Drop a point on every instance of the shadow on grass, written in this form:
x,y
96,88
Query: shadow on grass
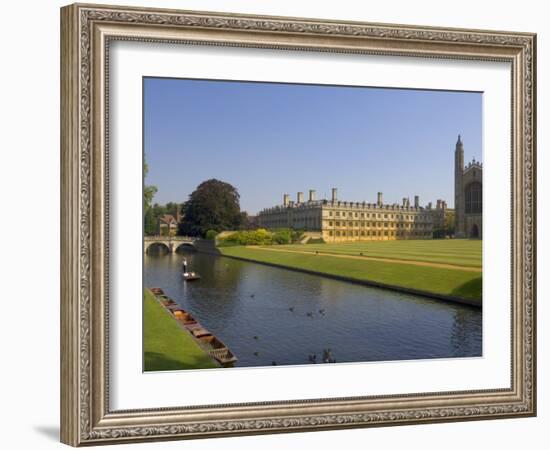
x,y
472,289
157,361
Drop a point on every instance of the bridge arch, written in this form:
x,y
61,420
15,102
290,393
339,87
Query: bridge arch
x,y
178,245
148,245
171,243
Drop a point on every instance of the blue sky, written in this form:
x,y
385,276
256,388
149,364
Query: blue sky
x,y
268,139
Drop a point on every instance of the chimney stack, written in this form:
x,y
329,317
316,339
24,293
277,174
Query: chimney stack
x,y
286,200
438,204
300,197
311,195
404,201
416,201
379,201
430,205
334,194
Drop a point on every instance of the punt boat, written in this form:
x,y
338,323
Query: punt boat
x,y
210,343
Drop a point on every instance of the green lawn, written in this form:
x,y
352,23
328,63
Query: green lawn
x,y
165,345
460,252
453,282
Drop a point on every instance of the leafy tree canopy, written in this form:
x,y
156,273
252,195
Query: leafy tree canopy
x,y
149,191
214,205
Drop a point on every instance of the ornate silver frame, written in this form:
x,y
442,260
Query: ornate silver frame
x,y
86,31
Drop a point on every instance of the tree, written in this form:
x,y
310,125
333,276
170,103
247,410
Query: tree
x,y
148,191
172,208
149,220
449,223
150,225
213,205
246,222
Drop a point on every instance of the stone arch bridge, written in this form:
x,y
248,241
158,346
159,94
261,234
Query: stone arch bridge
x,y
172,243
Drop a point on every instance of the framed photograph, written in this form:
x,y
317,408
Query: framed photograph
x,y
276,224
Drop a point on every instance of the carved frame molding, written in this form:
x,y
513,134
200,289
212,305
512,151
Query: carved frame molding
x,y
86,32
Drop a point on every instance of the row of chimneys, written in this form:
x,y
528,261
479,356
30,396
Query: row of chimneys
x,y
312,196
379,201
441,204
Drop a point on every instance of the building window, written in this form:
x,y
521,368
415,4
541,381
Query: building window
x,y
330,223
473,198
330,233
330,213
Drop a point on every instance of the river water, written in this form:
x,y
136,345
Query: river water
x,y
267,315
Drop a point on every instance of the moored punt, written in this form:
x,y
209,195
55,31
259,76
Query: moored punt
x,y
224,356
184,317
200,332
210,343
193,326
218,349
172,306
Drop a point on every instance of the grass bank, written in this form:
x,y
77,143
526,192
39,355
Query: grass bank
x,y
165,345
460,252
438,281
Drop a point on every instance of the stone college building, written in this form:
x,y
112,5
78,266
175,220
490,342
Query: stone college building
x,y
337,221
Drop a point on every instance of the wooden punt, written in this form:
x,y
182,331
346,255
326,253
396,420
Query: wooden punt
x,y
173,307
192,326
190,276
218,349
210,343
201,332
186,318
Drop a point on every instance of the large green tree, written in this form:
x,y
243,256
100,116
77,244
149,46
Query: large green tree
x,y
214,205
149,191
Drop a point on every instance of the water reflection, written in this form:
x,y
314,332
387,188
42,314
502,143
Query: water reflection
x,y
267,315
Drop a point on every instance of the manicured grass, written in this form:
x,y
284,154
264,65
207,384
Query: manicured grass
x,y
458,283
460,252
165,345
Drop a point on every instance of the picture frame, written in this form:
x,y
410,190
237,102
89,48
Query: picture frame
x,y
87,31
